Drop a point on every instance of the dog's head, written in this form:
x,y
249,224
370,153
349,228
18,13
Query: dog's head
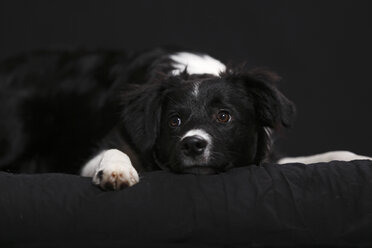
x,y
206,123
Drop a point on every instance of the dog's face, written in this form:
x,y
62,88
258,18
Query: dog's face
x,y
207,125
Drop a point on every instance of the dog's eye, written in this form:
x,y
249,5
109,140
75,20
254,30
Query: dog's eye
x,y
175,121
223,117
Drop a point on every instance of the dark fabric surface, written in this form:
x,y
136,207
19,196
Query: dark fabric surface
x,y
326,204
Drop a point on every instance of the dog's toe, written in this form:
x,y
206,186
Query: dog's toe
x,y
115,179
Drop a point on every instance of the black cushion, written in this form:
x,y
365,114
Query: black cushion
x,y
327,204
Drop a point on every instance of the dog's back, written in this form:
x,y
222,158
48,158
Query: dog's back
x,y
55,107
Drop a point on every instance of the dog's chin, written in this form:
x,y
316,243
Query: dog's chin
x,y
199,170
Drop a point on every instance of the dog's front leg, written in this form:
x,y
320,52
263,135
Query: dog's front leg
x,y
111,169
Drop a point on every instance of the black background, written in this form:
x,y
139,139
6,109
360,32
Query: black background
x,y
322,49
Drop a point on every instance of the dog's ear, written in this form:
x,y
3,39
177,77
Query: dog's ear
x,y
141,113
273,109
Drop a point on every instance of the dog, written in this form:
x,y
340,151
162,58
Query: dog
x,y
110,115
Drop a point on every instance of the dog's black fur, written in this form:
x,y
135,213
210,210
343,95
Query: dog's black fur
x,y
59,108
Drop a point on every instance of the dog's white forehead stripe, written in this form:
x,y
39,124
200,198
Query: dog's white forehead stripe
x,y
195,89
196,64
198,132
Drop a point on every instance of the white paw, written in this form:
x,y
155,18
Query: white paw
x,y
115,171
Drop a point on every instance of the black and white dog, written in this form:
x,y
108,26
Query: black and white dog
x,y
110,115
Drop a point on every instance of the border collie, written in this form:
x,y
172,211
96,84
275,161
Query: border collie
x,y
109,115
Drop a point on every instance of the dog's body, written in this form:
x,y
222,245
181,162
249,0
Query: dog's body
x,y
117,114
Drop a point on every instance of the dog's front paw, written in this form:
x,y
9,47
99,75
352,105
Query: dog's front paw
x,y
115,171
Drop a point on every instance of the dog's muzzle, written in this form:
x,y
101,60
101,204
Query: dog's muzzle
x,y
195,153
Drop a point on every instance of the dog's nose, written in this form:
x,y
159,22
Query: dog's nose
x,y
193,145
